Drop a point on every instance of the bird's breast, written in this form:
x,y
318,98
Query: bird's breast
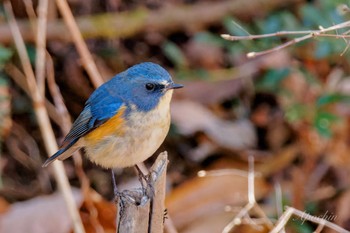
x,y
142,134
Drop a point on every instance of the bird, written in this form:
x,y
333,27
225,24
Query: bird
x,y
125,120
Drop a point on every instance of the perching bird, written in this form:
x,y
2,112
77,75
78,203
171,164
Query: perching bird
x,y
125,120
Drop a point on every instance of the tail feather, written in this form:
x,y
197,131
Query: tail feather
x,y
63,153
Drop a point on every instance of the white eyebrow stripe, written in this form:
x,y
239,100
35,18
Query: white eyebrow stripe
x,y
164,82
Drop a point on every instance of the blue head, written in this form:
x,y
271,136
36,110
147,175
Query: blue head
x,y
143,85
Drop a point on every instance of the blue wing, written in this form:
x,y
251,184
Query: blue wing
x,y
98,109
91,117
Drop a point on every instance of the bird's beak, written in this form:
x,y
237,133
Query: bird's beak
x,y
173,86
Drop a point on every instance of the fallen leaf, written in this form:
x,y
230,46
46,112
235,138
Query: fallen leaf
x,y
191,117
39,215
203,197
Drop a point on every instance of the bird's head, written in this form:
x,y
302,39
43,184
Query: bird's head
x,y
147,85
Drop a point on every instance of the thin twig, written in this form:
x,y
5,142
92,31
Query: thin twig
x,y
310,34
43,120
41,45
278,194
82,48
19,78
244,212
251,183
224,172
78,162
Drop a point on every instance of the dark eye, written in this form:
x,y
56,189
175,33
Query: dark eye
x,y
150,86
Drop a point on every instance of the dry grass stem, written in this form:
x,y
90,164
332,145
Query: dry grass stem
x,y
225,172
65,126
41,45
19,78
43,119
243,214
80,44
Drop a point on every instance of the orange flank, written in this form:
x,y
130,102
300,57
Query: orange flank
x,y
113,126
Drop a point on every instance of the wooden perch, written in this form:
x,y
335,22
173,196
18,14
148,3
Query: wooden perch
x,y
140,211
167,19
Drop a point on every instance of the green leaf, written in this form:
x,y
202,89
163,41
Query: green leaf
x,y
5,55
323,121
332,98
296,112
272,24
289,21
313,17
323,49
174,54
272,79
31,50
235,27
210,38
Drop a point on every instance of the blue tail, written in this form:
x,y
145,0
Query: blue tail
x,y
59,153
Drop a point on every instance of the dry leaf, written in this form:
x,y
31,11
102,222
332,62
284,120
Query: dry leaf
x,y
203,197
191,117
39,215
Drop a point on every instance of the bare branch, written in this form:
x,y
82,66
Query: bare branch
x,y
309,34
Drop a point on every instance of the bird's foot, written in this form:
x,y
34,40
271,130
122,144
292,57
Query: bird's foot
x,y
146,185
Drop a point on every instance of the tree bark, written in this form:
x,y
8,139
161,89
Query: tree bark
x,y
143,212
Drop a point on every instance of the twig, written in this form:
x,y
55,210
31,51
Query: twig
x,y
282,221
279,208
41,45
238,219
65,127
43,120
61,108
310,34
225,172
85,55
20,80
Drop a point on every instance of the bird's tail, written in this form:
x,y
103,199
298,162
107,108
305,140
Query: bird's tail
x,y
63,153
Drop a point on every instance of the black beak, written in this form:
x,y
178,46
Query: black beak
x,y
174,86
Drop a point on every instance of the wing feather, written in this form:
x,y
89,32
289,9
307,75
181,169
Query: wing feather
x,y
98,109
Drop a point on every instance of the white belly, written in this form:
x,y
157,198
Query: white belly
x,y
144,133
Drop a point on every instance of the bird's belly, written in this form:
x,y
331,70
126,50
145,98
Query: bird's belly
x,y
141,136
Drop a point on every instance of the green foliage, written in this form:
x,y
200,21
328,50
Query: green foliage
x,y
5,55
331,98
235,26
300,225
296,112
272,79
211,38
174,54
323,121
31,51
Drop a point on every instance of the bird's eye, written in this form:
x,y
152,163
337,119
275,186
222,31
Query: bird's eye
x,y
150,86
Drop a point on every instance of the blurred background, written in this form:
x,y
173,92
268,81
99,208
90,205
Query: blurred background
x,y
288,109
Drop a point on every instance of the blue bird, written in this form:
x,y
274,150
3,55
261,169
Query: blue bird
x,y
125,120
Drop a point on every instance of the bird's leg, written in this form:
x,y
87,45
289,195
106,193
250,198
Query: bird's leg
x,y
148,188
115,189
142,177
